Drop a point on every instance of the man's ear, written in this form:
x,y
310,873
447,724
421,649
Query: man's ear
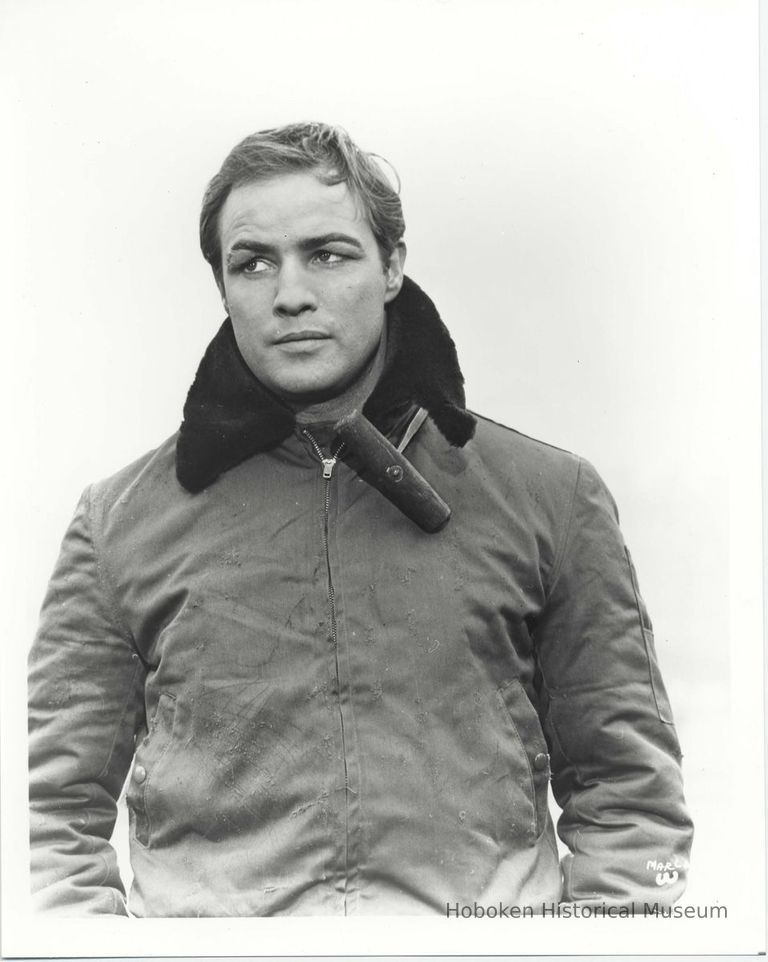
x,y
393,272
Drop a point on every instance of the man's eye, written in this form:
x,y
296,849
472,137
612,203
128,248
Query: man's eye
x,y
254,266
328,257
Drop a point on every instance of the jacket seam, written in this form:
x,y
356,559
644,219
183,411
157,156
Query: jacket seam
x,y
636,592
569,690
560,553
120,720
645,630
556,570
158,761
103,576
110,607
558,742
532,781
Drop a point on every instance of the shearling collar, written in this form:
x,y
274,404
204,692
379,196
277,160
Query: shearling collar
x,y
229,416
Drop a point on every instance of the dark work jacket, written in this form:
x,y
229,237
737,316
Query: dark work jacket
x,y
322,708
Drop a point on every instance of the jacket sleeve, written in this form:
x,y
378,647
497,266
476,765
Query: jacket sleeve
x,y
615,755
85,696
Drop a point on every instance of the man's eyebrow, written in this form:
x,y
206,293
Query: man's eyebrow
x,y
310,243
249,245
307,243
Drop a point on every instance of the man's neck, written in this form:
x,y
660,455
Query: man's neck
x,y
354,396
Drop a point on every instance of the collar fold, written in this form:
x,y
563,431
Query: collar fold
x,y
229,416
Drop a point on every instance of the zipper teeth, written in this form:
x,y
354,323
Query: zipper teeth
x,y
334,629
319,451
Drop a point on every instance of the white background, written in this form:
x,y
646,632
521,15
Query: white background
x,y
580,186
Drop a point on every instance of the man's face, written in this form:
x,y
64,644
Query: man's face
x,y
304,284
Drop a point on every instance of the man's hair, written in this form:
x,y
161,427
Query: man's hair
x,y
329,153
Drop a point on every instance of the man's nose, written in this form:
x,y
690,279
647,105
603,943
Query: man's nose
x,y
294,292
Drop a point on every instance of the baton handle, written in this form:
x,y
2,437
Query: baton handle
x,y
379,463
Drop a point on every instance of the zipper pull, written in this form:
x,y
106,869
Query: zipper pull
x,y
328,465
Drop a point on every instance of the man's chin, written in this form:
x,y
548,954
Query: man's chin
x,y
300,394
303,382
309,381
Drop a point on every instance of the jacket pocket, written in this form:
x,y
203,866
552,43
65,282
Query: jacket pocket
x,y
148,765
533,745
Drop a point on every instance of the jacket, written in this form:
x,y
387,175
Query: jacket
x,y
322,708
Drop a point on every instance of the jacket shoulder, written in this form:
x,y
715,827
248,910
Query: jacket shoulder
x,y
155,469
526,455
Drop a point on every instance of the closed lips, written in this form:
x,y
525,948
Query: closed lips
x,y
302,336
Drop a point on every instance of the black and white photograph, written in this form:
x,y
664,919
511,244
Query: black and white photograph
x,y
384,478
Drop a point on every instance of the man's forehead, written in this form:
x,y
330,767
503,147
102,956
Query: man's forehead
x,y
289,205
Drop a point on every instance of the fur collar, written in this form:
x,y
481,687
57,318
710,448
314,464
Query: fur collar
x,y
229,416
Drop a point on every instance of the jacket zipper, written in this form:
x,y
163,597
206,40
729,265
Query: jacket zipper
x,y
328,466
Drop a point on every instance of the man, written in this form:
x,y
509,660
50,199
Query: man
x,y
339,633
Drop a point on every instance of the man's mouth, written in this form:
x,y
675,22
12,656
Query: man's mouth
x,y
302,336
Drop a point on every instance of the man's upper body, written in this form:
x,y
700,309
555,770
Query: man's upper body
x,y
340,658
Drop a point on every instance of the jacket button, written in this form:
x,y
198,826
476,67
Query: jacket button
x,y
395,472
541,762
139,773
